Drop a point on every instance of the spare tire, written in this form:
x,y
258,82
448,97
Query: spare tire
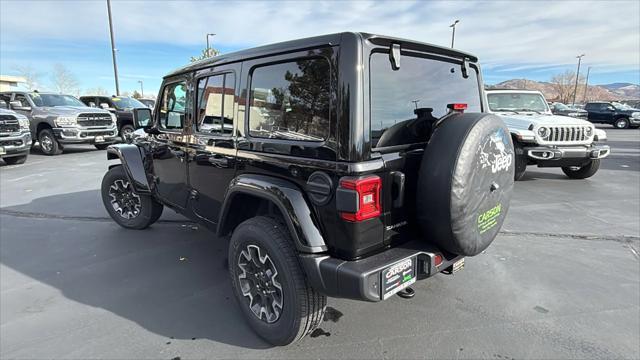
x,y
465,182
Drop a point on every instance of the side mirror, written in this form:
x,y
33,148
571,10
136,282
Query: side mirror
x,y
142,118
17,105
104,106
92,104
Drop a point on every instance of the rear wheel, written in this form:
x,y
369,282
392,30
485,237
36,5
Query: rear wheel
x,y
124,205
621,123
269,283
582,172
521,161
48,143
15,160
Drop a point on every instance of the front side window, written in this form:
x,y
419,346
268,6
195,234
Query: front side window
x,y
421,85
173,107
291,100
216,96
23,100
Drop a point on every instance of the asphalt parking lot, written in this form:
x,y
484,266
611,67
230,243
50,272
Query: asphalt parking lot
x,y
561,281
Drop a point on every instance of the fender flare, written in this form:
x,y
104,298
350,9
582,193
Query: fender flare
x,y
289,200
132,159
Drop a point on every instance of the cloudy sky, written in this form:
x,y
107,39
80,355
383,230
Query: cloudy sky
x,y
513,39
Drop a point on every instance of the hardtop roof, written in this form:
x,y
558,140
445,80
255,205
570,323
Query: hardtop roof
x,y
312,42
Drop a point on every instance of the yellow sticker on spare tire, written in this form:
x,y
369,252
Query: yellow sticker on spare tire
x,y
489,218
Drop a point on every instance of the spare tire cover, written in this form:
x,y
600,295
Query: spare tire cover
x,y
465,183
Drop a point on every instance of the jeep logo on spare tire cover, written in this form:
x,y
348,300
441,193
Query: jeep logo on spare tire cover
x,y
465,182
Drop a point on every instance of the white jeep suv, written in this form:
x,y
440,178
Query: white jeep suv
x,y
546,140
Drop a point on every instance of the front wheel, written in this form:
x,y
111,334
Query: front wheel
x,y
520,161
126,131
127,208
621,123
48,143
582,172
269,283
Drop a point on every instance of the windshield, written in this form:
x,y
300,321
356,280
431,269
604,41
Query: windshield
x,y
621,106
561,106
55,100
423,86
122,103
517,102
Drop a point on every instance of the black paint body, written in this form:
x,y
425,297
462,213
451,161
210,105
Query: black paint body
x,y
221,180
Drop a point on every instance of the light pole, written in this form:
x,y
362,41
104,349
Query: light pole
x,y
141,89
586,85
113,48
453,35
575,89
208,47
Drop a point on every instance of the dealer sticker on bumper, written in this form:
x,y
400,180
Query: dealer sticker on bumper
x,y
2,150
397,277
99,139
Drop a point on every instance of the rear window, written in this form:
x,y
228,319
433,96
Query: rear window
x,y
419,83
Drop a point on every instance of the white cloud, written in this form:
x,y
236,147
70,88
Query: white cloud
x,y
534,33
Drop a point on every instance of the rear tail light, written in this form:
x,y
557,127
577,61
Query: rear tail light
x,y
457,107
368,197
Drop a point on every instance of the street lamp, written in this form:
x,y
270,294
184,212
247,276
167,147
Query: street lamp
x,y
208,47
113,48
141,89
575,89
586,85
453,35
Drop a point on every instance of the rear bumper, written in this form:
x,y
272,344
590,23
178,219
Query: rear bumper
x,y
15,145
361,279
79,135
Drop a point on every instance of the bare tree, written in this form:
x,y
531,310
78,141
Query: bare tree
x,y
96,91
64,81
206,53
564,85
30,75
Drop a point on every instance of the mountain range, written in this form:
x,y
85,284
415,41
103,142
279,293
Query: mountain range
x,y
606,92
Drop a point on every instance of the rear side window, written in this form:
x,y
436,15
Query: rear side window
x,y
172,109
215,104
291,100
420,83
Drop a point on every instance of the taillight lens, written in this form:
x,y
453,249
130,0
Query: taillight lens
x,y
457,106
368,190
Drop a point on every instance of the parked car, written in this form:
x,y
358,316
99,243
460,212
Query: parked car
x,y
120,106
566,110
15,137
150,103
328,180
546,140
621,117
57,120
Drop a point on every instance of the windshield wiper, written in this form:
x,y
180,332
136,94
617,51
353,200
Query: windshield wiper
x,y
506,110
530,110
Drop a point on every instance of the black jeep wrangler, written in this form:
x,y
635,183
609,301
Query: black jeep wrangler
x,y
346,165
